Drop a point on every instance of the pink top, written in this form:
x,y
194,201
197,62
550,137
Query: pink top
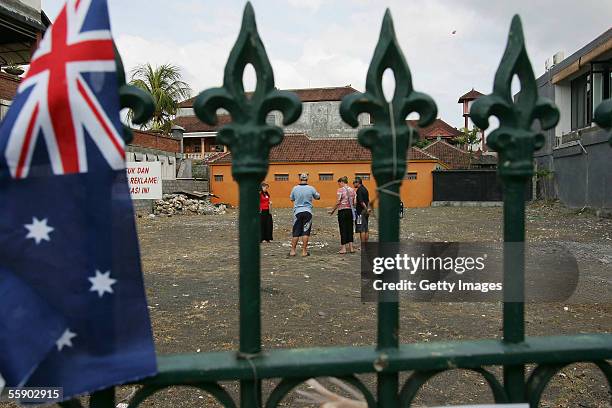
x,y
346,197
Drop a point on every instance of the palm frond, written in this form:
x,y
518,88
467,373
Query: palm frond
x,y
167,88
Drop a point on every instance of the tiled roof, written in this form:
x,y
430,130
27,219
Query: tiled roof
x,y
473,94
452,156
437,129
305,95
193,124
300,148
213,157
484,159
323,94
155,140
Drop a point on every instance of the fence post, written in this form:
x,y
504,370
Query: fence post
x,y
249,138
389,140
515,142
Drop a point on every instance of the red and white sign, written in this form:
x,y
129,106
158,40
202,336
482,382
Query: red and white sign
x,y
145,180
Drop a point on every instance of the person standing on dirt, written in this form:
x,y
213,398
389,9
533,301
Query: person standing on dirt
x,y
362,209
345,203
264,211
302,196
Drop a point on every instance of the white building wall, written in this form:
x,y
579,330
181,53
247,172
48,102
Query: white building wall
x,y
168,163
322,120
318,120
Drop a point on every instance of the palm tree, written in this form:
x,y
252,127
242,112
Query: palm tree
x,y
165,84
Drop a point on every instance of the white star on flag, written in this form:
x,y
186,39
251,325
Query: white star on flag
x,y
65,340
101,283
39,230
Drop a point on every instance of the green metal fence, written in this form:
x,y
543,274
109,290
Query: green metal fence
x,y
250,139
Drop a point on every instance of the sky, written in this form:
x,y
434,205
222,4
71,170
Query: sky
x,y
451,46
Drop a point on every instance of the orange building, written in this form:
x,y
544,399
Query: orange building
x,y
325,160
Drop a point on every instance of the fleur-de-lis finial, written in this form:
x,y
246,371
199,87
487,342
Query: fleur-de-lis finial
x,y
603,116
514,140
390,136
249,137
140,102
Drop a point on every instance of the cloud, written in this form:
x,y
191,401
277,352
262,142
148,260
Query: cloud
x,y
314,43
310,5
202,62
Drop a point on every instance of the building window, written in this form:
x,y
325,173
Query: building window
x,y
411,176
588,91
581,114
271,119
218,177
185,112
601,74
281,177
363,176
326,176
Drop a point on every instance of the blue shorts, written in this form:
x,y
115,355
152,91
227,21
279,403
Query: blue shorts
x,y
302,224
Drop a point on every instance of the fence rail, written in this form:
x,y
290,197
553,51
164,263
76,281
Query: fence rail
x,y
250,138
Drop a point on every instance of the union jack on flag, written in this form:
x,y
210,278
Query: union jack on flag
x,y
59,99
73,311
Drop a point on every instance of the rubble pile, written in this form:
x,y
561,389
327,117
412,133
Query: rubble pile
x,y
171,204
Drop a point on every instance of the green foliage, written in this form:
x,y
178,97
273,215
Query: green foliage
x,y
468,138
422,143
167,88
11,64
12,68
544,174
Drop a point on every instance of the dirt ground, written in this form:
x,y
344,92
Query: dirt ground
x,y
190,269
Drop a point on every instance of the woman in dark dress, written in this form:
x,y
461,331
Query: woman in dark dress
x,y
345,204
264,210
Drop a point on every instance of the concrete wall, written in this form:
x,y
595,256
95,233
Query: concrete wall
x,y
577,178
143,206
318,119
321,120
169,160
174,186
585,179
414,193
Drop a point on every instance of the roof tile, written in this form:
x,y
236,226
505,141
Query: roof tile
x,y
438,128
305,95
473,94
452,156
297,147
193,124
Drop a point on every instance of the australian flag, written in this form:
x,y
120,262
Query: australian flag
x,y
73,311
